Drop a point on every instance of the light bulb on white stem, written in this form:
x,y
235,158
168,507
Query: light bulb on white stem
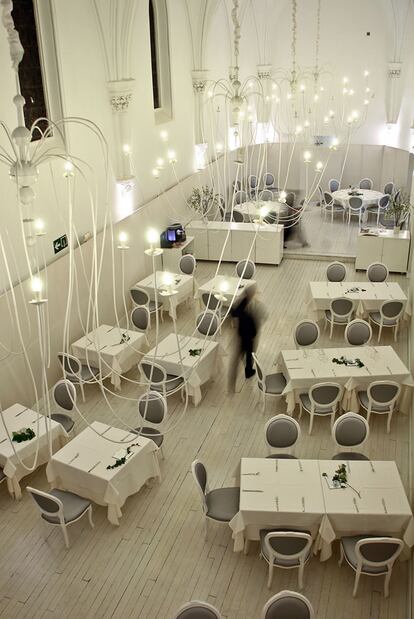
x,y
168,281
164,136
153,237
156,173
123,238
127,149
160,163
37,287
282,196
223,287
307,156
39,226
263,211
172,157
68,169
319,167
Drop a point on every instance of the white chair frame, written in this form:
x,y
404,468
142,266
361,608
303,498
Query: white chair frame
x,y
332,210
247,263
361,561
303,556
355,212
197,604
382,325
150,424
332,322
59,514
144,331
373,264
340,419
371,182
262,382
354,322
70,385
264,193
284,594
391,403
335,405
78,375
276,418
160,307
334,263
163,383
300,323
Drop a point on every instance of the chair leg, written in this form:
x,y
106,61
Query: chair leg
x,y
331,330
270,578
65,535
357,576
310,424
379,333
82,391
341,558
389,417
300,410
90,516
205,528
387,584
263,401
395,332
300,575
246,546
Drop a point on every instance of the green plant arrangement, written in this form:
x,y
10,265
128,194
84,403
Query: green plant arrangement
x,y
348,362
23,435
399,207
194,352
121,461
203,199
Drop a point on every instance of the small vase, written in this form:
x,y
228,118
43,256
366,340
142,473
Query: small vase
x,y
397,229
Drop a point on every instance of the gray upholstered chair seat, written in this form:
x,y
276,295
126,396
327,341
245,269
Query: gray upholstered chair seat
x,y
376,317
87,373
73,506
152,433
173,383
282,456
348,544
65,420
152,307
334,207
349,455
363,398
197,612
284,546
337,319
275,383
306,403
223,503
288,607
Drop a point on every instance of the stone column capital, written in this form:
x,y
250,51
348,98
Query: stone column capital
x,y
120,94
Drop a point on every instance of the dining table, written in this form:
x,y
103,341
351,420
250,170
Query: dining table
x,y
85,466
369,197
301,494
251,210
113,350
303,368
229,289
183,289
19,459
197,360
368,296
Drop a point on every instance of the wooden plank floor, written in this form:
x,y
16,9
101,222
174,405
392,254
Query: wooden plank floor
x,y
157,558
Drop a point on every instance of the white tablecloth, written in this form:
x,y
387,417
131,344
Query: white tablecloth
x,y
195,370
368,196
368,296
294,494
104,486
18,417
184,284
383,508
101,348
304,368
250,210
236,287
289,497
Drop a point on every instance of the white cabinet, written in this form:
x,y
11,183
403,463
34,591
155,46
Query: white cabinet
x,y
264,245
387,247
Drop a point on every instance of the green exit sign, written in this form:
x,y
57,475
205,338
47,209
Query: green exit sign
x,y
60,243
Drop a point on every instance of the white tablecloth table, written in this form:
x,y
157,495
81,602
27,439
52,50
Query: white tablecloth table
x,y
368,296
236,288
184,284
290,495
304,368
18,417
383,508
196,370
250,210
369,197
69,468
102,348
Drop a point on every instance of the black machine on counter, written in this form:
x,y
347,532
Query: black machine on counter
x,y
172,235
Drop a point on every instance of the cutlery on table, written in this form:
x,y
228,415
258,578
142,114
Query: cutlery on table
x,y
303,503
354,489
126,436
74,458
356,506
21,412
300,466
5,439
384,506
372,466
247,490
277,465
348,467
277,503
257,473
94,466
102,347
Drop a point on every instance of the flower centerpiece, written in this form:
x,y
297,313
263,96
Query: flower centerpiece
x,y
203,200
25,434
398,209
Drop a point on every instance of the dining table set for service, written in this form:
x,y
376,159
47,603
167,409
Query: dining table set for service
x,y
302,495
182,285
